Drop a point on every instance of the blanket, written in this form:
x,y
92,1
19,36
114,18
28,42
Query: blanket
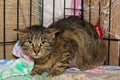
x,y
20,69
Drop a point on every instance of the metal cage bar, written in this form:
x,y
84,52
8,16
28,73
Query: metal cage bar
x,y
17,17
82,9
42,11
99,14
53,11
4,28
74,7
64,8
30,12
90,11
109,30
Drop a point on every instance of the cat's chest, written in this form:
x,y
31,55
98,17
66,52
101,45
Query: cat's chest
x,y
41,61
47,64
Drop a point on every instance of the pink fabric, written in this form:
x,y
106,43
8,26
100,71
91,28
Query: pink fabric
x,y
28,58
96,70
77,6
18,52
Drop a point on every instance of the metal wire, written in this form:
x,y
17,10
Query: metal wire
x,y
109,30
30,12
4,29
42,12
53,11
82,9
90,11
74,7
17,18
64,8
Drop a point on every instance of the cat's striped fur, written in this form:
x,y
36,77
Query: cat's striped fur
x,y
70,42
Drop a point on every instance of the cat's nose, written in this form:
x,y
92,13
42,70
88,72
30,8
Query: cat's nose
x,y
36,49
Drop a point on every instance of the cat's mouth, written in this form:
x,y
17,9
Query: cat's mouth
x,y
39,55
36,55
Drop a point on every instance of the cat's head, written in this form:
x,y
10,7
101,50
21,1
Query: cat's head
x,y
36,41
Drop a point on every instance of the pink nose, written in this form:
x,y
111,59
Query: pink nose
x,y
36,49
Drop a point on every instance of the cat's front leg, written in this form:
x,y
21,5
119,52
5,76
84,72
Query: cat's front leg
x,y
57,69
61,64
36,70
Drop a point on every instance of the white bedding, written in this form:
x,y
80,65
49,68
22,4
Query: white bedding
x,y
100,73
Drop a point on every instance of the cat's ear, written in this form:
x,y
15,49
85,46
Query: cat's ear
x,y
20,31
52,32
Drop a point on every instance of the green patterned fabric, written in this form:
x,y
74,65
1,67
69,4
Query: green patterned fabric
x,y
20,70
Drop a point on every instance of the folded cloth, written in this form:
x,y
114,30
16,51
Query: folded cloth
x,y
5,63
17,51
20,67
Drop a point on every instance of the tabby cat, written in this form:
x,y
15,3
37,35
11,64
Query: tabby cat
x,y
69,42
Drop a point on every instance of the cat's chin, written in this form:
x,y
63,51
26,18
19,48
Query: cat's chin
x,y
39,56
35,57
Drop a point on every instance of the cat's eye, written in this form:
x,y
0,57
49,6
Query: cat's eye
x,y
30,41
42,43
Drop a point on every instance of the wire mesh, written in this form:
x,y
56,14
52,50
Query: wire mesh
x,y
21,13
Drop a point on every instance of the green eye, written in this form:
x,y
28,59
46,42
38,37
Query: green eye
x,y
30,42
42,43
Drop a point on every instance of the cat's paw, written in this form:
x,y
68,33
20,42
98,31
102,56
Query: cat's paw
x,y
35,72
54,73
32,73
51,75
